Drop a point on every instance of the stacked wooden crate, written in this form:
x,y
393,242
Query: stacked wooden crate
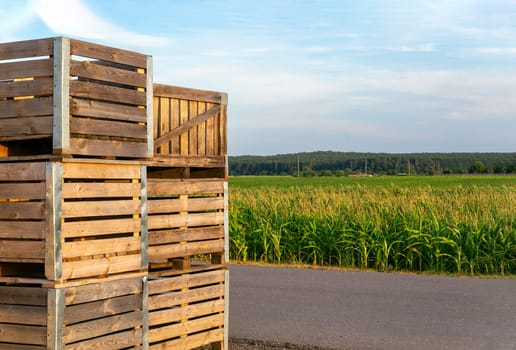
x,y
113,203
75,130
187,211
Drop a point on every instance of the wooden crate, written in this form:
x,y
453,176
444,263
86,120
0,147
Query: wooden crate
x,y
72,219
65,96
189,122
186,221
102,315
189,310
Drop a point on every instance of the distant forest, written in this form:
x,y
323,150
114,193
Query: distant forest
x,y
348,163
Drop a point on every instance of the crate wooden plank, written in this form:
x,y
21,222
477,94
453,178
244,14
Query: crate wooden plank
x,y
101,308
162,252
22,210
26,108
164,122
100,171
22,191
100,246
121,340
22,229
90,108
210,132
100,208
20,128
108,148
24,314
23,296
158,317
85,126
184,328
164,161
24,249
99,190
222,130
39,87
157,206
22,171
90,70
184,297
95,328
189,234
21,347
23,334
26,69
101,266
110,54
162,285
177,92
201,129
192,131
100,227
27,48
163,187
183,220
192,341
81,89
105,290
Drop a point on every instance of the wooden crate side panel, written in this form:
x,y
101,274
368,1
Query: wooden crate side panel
x,y
31,107
173,187
27,48
108,148
26,69
184,328
105,53
121,340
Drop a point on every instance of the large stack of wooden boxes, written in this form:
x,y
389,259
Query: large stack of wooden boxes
x,y
113,203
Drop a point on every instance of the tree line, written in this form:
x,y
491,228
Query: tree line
x,y
329,163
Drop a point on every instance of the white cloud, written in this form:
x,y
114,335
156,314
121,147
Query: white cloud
x,y
74,18
511,51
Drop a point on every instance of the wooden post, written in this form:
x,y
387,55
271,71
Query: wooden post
x,y
53,242
55,319
61,123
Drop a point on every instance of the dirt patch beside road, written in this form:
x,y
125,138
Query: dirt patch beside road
x,y
246,344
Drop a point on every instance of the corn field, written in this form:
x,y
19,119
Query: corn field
x,y
465,229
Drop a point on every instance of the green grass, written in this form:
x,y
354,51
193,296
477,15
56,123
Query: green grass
x,y
450,224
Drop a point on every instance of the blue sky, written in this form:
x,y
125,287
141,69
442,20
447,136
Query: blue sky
x,y
368,76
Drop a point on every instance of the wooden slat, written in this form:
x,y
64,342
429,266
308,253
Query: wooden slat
x,y
22,191
22,210
100,227
210,133
12,249
105,290
201,129
23,295
163,252
100,208
185,220
189,94
101,171
39,87
185,127
183,235
183,139
27,48
163,285
101,308
192,131
101,326
185,312
157,187
185,297
207,161
85,49
192,341
26,108
174,123
21,334
102,266
26,69
22,171
22,229
85,126
111,148
105,110
157,206
100,246
87,69
98,190
223,137
121,340
14,128
4,346
23,314
184,328
164,123
106,93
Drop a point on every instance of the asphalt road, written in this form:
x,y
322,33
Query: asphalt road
x,y
369,310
